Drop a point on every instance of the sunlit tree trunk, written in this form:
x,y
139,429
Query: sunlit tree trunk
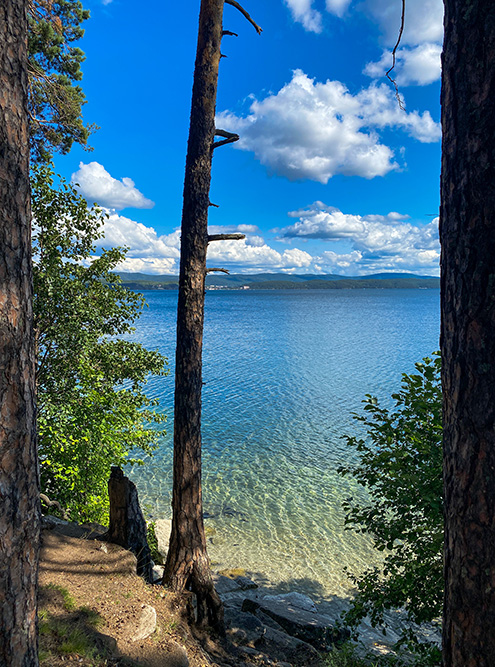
x,y
467,230
188,565
19,492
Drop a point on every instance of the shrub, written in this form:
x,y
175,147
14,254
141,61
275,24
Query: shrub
x,y
400,467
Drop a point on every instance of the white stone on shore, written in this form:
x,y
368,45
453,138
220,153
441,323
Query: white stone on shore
x,y
163,528
146,624
158,571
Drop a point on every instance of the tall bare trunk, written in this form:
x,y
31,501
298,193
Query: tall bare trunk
x,y
188,565
467,233
19,492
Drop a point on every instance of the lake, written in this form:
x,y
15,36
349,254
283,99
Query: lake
x,y
283,371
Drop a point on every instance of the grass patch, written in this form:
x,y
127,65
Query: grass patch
x,y
65,630
68,600
77,642
91,617
67,637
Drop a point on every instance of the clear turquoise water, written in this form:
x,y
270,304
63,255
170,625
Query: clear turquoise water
x,y
284,370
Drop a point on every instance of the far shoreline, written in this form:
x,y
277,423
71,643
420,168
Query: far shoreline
x,y
310,285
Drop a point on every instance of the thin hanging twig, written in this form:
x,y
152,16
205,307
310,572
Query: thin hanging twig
x,y
394,53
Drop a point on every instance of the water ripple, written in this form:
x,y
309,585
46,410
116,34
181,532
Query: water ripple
x,y
283,372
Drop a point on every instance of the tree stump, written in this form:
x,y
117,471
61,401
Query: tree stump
x,y
127,525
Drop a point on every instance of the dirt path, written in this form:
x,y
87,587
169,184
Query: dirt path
x,y
91,605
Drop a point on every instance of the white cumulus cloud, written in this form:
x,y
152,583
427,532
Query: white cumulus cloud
x,y
420,65
337,7
232,229
418,58
421,41
302,12
311,19
97,185
152,253
320,221
142,241
243,256
312,130
360,244
377,242
147,252
423,20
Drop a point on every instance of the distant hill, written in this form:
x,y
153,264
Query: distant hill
x,y
394,276
351,283
143,281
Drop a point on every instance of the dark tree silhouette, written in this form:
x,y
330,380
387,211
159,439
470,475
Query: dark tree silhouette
x,y
188,565
467,232
19,492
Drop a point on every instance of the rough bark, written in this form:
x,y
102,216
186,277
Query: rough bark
x,y
19,491
188,565
127,524
467,230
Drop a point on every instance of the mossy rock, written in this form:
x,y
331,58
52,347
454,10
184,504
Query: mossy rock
x,y
233,573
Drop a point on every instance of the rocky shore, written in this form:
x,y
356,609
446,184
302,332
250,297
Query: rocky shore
x,y
283,630
289,623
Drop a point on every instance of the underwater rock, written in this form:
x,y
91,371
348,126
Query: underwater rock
x,y
295,599
225,584
311,627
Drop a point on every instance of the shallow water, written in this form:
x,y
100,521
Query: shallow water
x,y
284,370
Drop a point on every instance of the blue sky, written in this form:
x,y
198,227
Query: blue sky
x,y
329,176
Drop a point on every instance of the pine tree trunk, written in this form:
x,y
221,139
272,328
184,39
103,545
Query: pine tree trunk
x,y
467,232
19,492
188,565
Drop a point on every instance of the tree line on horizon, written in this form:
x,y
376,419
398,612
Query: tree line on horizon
x,y
315,284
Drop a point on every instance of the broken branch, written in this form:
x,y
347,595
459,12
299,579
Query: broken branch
x,y
229,33
216,144
212,204
235,4
225,134
54,503
230,137
225,237
220,270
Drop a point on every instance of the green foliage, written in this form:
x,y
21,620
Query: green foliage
x,y
400,466
93,412
156,556
346,656
54,67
